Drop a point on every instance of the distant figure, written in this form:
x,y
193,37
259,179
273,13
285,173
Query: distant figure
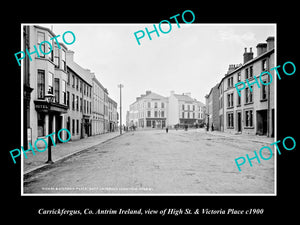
x,y
186,127
167,129
212,127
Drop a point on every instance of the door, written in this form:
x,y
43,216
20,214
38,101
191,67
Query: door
x,y
239,121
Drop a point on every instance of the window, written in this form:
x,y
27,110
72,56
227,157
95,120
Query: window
x,y
264,65
56,89
239,76
230,100
149,105
193,107
77,126
50,83
84,107
56,57
230,82
77,81
40,39
87,107
263,95
155,113
247,73
230,120
77,102
80,104
248,95
50,50
73,126
64,92
162,105
63,58
238,100
182,106
68,82
188,107
250,72
182,114
148,123
73,81
68,98
249,118
155,104
193,115
73,102
41,84
80,87
148,113
41,124
162,113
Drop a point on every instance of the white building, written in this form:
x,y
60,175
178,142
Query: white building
x,y
148,111
184,110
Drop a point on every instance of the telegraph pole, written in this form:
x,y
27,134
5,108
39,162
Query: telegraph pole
x,y
120,86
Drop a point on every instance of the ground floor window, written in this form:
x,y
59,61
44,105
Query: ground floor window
x,y
230,120
41,124
148,123
249,118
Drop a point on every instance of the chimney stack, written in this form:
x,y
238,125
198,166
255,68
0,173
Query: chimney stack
x,y
270,43
70,55
248,55
188,94
261,48
148,92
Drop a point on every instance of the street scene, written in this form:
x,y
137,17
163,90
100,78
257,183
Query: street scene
x,y
156,162
105,115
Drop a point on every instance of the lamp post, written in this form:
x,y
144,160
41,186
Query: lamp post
x,y
120,86
49,99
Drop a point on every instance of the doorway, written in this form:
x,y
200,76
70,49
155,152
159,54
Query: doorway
x,y
262,122
239,122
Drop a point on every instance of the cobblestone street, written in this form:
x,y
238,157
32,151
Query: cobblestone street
x,y
156,162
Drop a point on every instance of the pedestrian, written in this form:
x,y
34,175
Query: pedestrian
x,y
212,127
167,129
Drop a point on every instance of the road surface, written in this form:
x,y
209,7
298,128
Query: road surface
x,y
156,162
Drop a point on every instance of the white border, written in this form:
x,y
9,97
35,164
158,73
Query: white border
x,y
144,194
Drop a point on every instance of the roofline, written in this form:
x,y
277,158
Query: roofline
x,y
45,28
246,64
79,76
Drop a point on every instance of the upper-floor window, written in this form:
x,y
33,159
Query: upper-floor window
x,y
264,65
41,84
56,89
50,83
248,95
230,100
40,39
56,56
230,82
63,58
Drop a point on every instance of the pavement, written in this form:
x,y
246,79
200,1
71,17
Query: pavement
x,y
62,151
241,136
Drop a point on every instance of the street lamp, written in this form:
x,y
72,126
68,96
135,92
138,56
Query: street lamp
x,y
120,86
49,99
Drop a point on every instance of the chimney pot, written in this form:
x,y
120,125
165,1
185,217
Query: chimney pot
x,y
248,55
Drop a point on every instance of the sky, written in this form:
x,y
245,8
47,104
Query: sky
x,y
192,58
